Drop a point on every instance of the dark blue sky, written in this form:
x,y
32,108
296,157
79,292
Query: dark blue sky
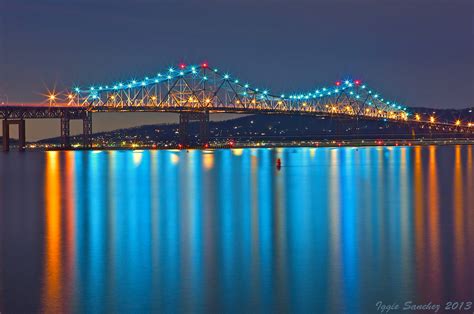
x,y
417,52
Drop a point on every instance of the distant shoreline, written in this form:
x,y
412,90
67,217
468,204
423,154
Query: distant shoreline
x,y
303,144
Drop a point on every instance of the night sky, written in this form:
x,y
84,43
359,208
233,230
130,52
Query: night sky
x,y
417,52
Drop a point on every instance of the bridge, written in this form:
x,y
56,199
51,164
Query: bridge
x,y
195,91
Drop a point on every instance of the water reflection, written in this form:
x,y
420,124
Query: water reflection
x,y
53,237
334,230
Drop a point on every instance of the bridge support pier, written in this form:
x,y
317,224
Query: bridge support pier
x,y
66,118
185,118
6,134
65,132
87,130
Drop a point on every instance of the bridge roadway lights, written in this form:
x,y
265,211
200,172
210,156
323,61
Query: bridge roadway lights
x,y
185,118
21,134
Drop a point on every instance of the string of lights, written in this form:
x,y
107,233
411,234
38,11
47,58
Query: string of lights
x,y
201,87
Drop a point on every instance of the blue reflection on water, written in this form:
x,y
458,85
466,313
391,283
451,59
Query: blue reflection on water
x,y
334,230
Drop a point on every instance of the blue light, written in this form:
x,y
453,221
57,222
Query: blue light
x,y
236,81
204,78
376,96
92,88
156,80
134,82
143,83
215,70
181,73
169,77
77,89
129,85
346,82
265,92
171,70
282,95
246,85
226,76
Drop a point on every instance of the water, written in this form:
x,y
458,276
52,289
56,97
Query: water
x,y
334,230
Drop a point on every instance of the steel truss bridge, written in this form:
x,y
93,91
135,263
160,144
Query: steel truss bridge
x,y
195,91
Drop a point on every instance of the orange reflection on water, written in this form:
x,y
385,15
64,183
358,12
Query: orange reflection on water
x,y
52,260
418,195
458,219
208,160
435,271
70,211
470,200
59,233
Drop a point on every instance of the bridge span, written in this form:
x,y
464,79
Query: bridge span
x,y
195,91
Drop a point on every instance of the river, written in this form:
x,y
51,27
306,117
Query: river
x,y
333,230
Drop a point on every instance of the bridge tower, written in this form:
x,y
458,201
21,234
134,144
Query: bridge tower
x,y
87,130
202,118
66,118
65,130
21,133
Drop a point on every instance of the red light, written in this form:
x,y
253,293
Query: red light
x,y
231,143
338,83
206,145
180,146
182,66
357,82
204,65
